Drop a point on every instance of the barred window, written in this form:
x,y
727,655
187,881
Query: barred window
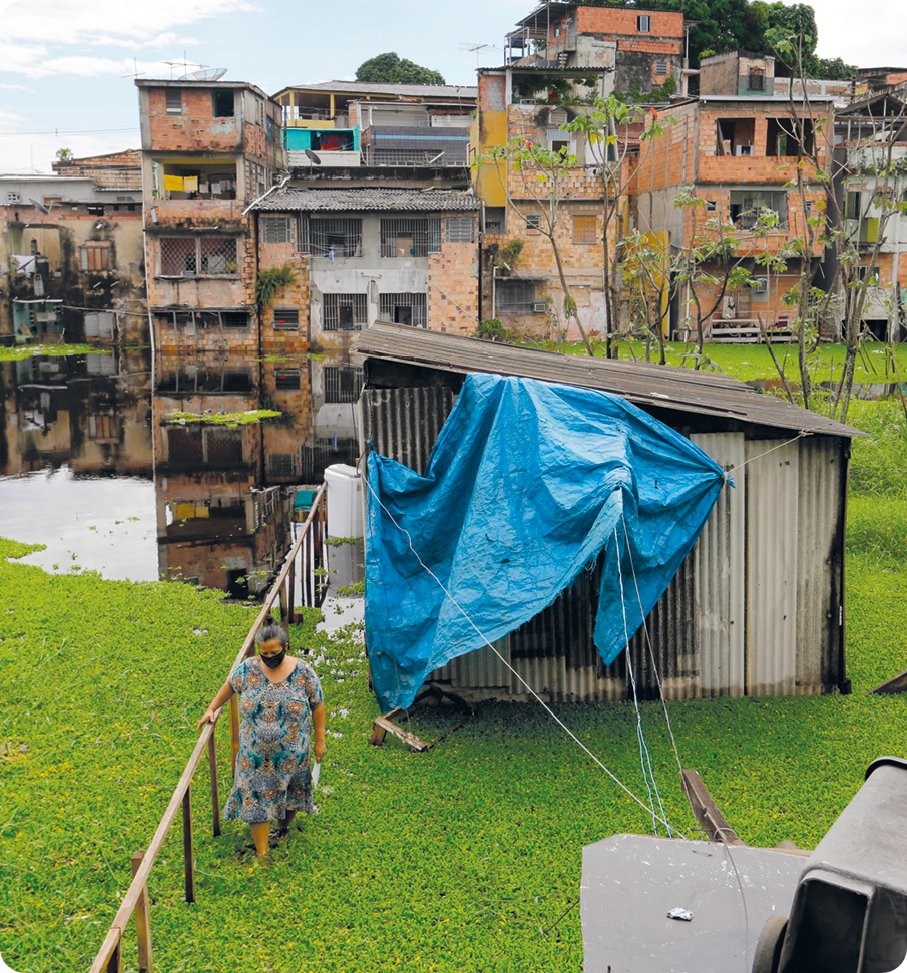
x,y
344,237
533,222
185,256
515,296
94,255
282,466
584,229
460,229
234,319
345,312
410,238
287,378
342,383
174,99
404,309
275,229
286,319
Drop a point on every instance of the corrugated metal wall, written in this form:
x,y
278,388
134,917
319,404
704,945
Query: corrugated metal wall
x,y
753,610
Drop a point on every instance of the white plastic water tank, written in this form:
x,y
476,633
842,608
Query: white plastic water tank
x,y
345,518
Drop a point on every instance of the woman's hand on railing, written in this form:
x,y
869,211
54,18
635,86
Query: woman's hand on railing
x,y
211,715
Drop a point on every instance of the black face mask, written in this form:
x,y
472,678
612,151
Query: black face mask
x,y
273,661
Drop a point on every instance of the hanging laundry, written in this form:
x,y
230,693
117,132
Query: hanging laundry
x,y
173,184
190,184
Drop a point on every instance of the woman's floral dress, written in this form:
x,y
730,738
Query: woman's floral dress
x,y
274,764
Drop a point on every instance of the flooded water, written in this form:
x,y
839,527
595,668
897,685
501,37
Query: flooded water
x,y
91,466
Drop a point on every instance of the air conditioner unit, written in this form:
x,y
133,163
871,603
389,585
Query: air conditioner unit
x,y
760,285
527,101
539,307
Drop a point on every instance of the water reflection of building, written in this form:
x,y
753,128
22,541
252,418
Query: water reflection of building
x,y
89,412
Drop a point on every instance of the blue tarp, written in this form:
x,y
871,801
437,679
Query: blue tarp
x,y
527,483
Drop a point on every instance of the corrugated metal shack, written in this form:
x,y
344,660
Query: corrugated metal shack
x,y
758,606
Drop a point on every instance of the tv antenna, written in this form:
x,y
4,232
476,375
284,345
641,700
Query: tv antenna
x,y
475,48
184,64
135,71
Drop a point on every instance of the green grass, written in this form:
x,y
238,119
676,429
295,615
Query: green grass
x,y
21,352
467,857
749,362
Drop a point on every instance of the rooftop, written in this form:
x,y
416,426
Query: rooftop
x,y
651,386
359,200
403,90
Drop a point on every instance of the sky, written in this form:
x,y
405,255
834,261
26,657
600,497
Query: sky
x,y
65,65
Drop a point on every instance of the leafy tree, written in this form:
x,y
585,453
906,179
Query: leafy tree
x,y
389,69
64,155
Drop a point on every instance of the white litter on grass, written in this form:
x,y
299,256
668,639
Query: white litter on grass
x,y
342,713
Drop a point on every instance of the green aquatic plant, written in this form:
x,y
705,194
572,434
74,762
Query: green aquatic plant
x,y
21,352
229,419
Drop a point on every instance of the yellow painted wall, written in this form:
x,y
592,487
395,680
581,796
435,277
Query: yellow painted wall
x,y
488,131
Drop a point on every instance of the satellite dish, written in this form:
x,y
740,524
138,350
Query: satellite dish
x,y
38,206
206,74
312,157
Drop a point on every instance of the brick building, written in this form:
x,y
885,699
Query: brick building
x,y
636,50
740,156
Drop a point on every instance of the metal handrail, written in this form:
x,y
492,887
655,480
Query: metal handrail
x,y
308,546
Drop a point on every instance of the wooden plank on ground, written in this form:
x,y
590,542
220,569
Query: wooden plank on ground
x,y
712,821
383,726
898,684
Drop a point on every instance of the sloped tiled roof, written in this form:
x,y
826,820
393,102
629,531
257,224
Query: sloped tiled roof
x,y
359,200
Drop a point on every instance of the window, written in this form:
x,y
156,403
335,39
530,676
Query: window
x,y
644,23
94,255
345,312
174,99
584,229
736,136
515,296
404,309
99,324
287,378
853,206
711,206
234,319
460,229
343,237
286,319
212,446
275,229
660,70
757,79
197,256
410,238
222,104
12,197
784,136
746,207
342,383
494,219
559,141
282,466
533,222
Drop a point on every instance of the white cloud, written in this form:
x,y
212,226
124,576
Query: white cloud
x,y
15,87
35,61
138,21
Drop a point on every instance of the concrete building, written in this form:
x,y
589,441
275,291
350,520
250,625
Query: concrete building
x,y
71,252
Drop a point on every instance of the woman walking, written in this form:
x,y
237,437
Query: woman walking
x,y
280,701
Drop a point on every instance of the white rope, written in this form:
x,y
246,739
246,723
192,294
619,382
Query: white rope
x,y
753,459
529,688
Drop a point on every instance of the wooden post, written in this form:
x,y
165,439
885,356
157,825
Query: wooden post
x,y
215,801
710,818
142,920
188,849
282,595
234,732
115,962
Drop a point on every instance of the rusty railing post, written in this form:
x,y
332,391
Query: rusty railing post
x,y
282,596
188,849
212,772
291,577
143,920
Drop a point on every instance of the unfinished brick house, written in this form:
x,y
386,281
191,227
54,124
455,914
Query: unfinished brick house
x,y
739,153
71,254
209,149
635,50
405,255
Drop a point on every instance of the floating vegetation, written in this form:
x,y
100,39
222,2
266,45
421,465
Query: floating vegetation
x,y
21,352
272,358
229,419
